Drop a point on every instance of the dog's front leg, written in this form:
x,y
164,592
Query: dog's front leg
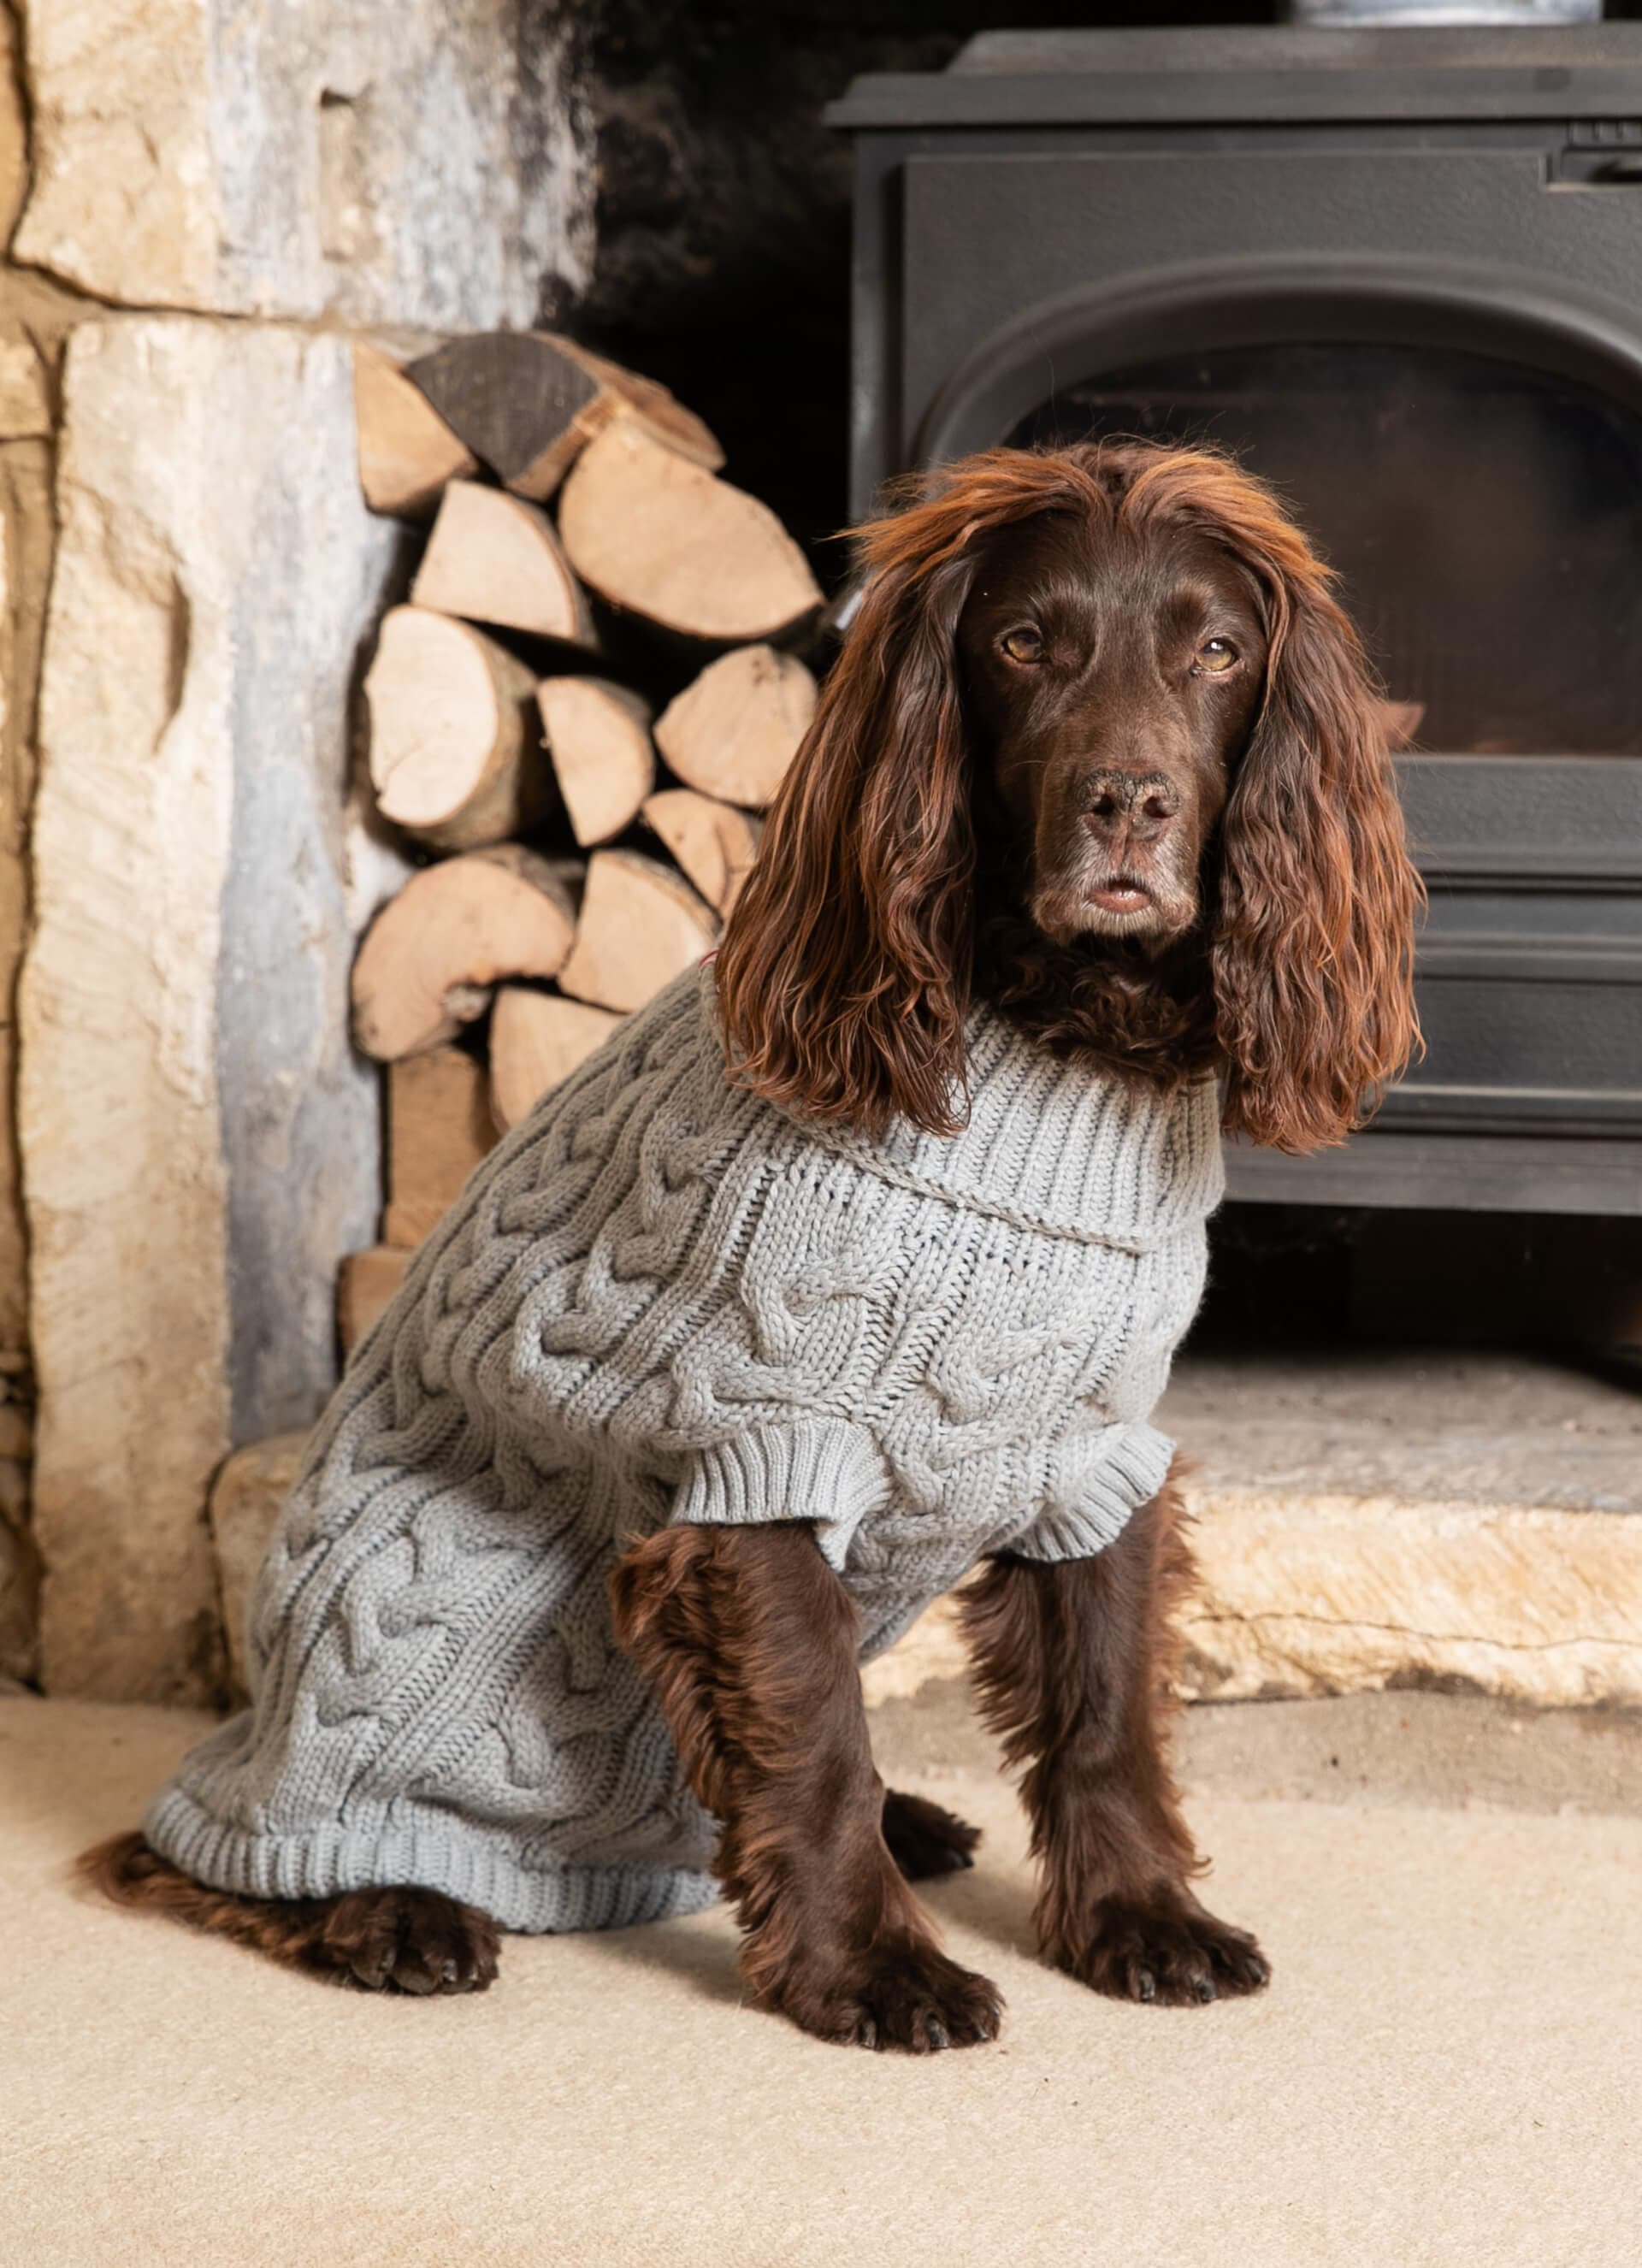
x,y
749,1639
1072,1663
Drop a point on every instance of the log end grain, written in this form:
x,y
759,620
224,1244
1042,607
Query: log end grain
x,y
641,926
536,1039
598,740
669,541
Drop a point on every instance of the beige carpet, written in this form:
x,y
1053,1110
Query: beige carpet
x,y
1447,2070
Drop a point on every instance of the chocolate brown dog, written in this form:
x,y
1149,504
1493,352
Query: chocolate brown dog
x,y
1099,759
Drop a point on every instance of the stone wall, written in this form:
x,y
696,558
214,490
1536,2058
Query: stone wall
x,y
200,200
412,163
34,319
200,1146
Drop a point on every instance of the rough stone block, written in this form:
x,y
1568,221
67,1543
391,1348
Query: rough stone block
x,y
1304,1594
20,1562
1308,1595
200,1146
24,403
25,543
250,1491
421,163
13,129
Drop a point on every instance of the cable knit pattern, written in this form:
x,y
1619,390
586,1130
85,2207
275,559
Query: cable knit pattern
x,y
660,1300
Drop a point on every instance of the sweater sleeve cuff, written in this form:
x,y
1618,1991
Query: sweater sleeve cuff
x,y
823,1469
1127,1466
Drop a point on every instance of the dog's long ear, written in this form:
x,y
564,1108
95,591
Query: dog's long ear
x,y
1313,951
843,977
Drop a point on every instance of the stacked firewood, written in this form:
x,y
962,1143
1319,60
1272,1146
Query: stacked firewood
x,y
575,722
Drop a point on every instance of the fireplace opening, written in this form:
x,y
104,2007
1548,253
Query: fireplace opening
x,y
1484,515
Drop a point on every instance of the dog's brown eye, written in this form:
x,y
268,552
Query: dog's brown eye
x,y
1022,645
1215,658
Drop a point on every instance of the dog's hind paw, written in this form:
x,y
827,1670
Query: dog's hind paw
x,y
924,1840
408,1940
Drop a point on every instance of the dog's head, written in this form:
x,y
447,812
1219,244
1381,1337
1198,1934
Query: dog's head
x,y
1108,688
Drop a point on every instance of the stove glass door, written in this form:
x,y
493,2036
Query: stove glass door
x,y
1485,518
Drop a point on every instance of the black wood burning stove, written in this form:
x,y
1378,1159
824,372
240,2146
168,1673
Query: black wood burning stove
x,y
1400,273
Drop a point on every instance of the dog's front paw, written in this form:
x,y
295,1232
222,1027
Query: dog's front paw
x,y
906,1996
409,1941
1166,1950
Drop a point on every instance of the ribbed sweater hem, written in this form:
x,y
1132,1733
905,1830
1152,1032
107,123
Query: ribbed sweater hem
x,y
1134,1465
823,1469
466,1866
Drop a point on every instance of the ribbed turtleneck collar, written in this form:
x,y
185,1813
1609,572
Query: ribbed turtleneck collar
x,y
1056,1147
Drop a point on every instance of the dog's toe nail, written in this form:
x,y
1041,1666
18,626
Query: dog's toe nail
x,y
1205,1988
939,2036
1147,1986
867,2033
450,1974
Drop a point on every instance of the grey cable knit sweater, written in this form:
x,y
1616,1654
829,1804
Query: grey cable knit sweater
x,y
660,1300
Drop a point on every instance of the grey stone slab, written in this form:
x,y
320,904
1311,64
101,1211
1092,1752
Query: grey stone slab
x,y
199,1145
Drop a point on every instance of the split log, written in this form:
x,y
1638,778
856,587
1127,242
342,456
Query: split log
x,y
654,534
407,452
438,1129
536,1039
715,844
641,924
431,955
365,1284
493,558
733,732
454,757
527,404
598,737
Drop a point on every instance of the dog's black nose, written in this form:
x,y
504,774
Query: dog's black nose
x,y
1132,807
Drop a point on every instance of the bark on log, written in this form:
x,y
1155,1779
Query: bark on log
x,y
641,924
494,558
438,1129
407,452
713,842
453,756
527,404
654,534
536,1039
366,1283
433,953
733,732
598,738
